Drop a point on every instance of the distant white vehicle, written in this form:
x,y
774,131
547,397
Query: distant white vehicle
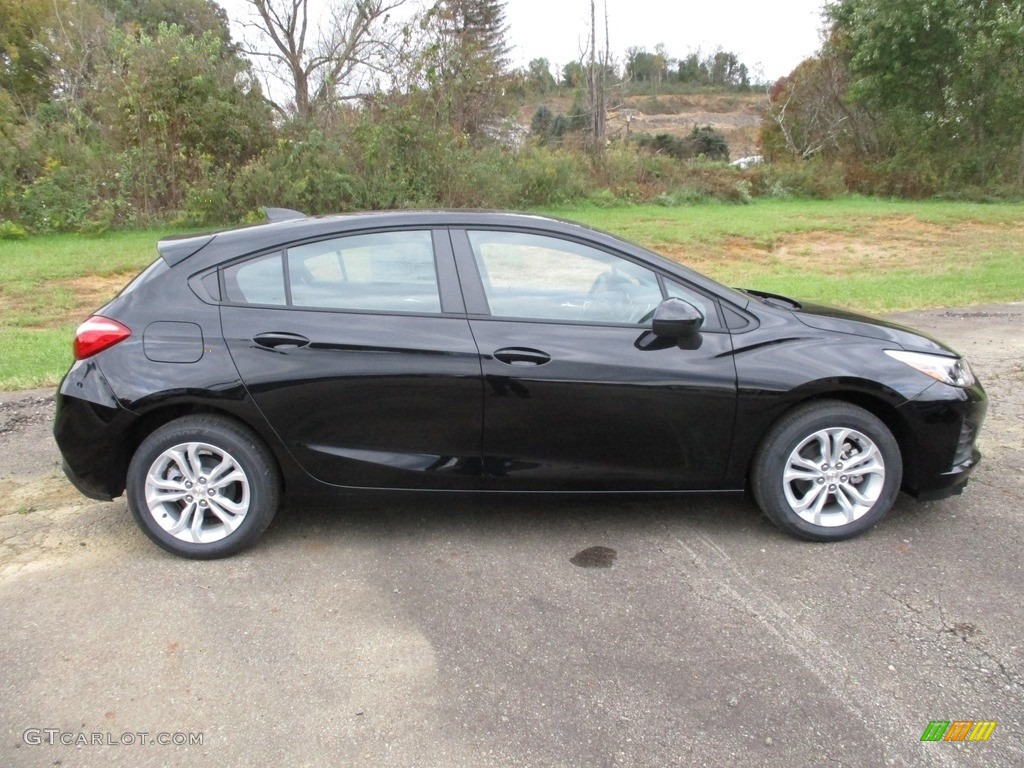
x,y
745,162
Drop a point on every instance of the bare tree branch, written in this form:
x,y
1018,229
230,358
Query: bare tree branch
x,y
320,73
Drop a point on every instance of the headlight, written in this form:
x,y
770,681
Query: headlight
x,y
949,370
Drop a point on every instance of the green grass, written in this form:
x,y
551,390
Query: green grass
x,y
868,254
47,286
764,221
34,358
865,254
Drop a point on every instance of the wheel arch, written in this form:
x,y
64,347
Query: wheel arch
x,y
884,410
153,419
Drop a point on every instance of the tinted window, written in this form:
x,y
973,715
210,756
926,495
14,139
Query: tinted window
x,y
257,281
387,271
545,278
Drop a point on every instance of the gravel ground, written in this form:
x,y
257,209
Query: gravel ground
x,y
26,444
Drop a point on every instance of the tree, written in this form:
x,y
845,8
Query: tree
x,y
194,16
176,107
725,69
640,65
539,76
322,66
944,77
48,51
467,62
807,113
689,70
573,74
702,141
79,39
25,58
598,70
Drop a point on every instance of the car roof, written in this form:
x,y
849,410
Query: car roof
x,y
244,241
269,234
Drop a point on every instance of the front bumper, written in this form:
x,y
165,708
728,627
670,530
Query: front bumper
x,y
942,454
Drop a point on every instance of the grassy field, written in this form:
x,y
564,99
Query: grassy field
x,y
48,285
872,255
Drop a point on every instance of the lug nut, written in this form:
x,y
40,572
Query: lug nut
x,y
188,484
188,498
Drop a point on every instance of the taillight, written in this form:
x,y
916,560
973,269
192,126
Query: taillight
x,y
96,334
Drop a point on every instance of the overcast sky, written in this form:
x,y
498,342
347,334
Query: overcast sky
x,y
770,36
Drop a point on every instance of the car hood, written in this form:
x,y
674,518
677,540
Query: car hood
x,y
837,320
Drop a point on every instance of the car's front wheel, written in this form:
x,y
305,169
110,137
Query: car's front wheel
x,y
826,471
203,487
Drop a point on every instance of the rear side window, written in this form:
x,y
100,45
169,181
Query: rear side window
x,y
387,271
382,272
257,281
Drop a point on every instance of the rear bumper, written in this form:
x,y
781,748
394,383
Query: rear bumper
x,y
91,430
91,487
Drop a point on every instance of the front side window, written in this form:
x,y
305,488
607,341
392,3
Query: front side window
x,y
538,277
699,300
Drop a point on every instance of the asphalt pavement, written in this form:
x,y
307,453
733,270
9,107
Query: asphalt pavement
x,y
475,631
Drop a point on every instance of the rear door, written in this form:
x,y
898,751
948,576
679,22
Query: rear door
x,y
357,350
578,393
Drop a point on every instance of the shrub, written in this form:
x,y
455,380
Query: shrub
x,y
549,177
816,179
542,121
59,200
11,231
701,142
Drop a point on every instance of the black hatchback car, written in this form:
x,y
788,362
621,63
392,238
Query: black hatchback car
x,y
490,352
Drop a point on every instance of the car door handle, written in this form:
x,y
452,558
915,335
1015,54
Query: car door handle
x,y
522,356
281,340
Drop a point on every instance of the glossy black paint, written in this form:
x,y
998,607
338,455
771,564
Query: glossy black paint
x,y
676,319
372,400
462,400
640,419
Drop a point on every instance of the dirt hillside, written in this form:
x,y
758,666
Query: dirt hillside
x,y
736,116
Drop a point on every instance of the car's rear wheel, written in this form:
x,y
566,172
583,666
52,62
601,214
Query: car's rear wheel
x,y
203,487
827,471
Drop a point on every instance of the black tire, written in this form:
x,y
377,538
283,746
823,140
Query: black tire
x,y
223,466
840,505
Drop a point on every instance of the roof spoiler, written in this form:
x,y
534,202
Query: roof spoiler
x,y
176,249
283,214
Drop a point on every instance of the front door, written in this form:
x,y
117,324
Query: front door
x,y
578,393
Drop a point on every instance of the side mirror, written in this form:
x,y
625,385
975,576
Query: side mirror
x,y
676,319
